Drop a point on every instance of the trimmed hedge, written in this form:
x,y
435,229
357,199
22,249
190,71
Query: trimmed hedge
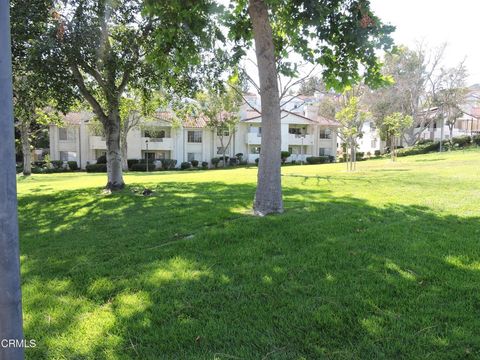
x,y
318,159
462,141
168,164
57,163
204,165
131,162
72,165
185,165
194,163
476,140
142,167
102,159
215,161
96,168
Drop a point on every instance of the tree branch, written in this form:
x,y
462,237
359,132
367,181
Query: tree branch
x,y
97,108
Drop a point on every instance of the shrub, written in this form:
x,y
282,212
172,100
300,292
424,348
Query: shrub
x,y
39,163
284,155
95,168
102,159
233,161
360,155
204,165
130,162
244,162
215,161
57,163
317,159
185,165
142,167
293,162
331,158
378,153
194,163
239,157
424,141
257,160
476,140
168,164
144,161
462,141
72,165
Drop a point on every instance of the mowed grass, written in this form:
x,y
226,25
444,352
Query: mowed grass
x,y
383,263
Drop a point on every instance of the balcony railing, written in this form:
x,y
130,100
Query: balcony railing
x,y
296,139
157,143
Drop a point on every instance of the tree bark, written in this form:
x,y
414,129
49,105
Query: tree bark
x,y
114,157
268,197
10,292
124,148
27,154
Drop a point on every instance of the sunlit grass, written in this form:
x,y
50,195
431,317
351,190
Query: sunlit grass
x,y
382,263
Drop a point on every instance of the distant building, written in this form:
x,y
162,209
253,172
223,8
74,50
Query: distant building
x,y
304,134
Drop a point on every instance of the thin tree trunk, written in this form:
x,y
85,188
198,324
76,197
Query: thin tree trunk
x,y
124,148
114,157
10,293
27,154
352,157
392,152
268,197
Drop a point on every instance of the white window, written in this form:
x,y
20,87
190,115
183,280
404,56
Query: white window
x,y
194,136
374,143
323,151
193,156
66,134
68,156
255,150
325,133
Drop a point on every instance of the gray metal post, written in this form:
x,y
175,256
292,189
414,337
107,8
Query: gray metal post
x,y
10,295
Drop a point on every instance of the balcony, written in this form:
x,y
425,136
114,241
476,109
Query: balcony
x,y
253,138
98,143
294,139
157,143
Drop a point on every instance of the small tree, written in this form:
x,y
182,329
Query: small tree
x,y
393,127
221,108
351,119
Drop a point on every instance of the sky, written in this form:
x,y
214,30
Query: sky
x,y
435,22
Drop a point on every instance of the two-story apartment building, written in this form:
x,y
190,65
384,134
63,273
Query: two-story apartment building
x,y
304,134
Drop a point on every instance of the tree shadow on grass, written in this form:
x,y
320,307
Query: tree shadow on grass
x,y
188,274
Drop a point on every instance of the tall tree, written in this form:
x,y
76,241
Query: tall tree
x,y
10,293
340,35
393,127
101,46
31,93
451,96
416,79
221,107
351,118
106,48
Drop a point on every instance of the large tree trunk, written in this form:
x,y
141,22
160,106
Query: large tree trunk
x,y
268,197
114,157
27,154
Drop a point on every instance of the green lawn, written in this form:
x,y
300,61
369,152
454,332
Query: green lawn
x,y
383,263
